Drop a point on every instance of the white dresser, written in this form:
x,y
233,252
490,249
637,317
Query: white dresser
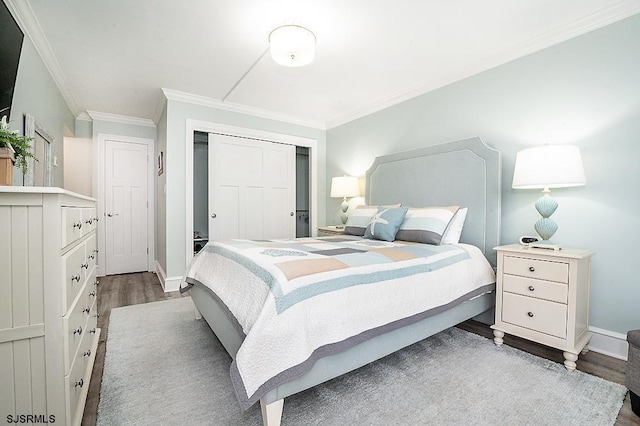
x,y
48,309
543,295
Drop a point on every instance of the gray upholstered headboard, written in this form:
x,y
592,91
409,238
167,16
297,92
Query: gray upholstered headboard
x,y
464,173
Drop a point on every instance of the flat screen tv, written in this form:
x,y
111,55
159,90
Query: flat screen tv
x,y
10,46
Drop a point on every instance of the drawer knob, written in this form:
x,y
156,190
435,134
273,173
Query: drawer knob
x,y
88,221
85,266
532,269
530,314
531,288
87,353
75,278
77,225
78,383
86,310
93,330
92,294
78,331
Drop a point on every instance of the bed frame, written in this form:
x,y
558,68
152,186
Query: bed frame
x,y
465,173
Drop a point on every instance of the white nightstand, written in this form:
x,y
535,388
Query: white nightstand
x,y
543,295
327,231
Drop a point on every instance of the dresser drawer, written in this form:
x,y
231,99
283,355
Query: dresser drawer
x,y
535,314
89,220
91,252
536,268
75,381
540,289
72,224
75,326
73,273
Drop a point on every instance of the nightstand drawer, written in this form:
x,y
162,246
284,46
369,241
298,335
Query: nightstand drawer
x,y
536,268
547,290
535,314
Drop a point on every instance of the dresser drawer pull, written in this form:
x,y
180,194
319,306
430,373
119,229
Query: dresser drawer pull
x,y
86,310
530,314
88,221
93,330
97,315
78,331
77,225
75,278
78,383
532,269
85,266
531,288
96,219
87,353
92,294
92,256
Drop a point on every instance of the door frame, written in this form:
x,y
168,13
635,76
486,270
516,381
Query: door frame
x,y
212,127
99,191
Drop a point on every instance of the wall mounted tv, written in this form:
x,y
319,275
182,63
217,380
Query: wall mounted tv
x,y
10,46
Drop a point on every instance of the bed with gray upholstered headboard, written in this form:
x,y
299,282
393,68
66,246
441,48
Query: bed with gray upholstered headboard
x,y
463,173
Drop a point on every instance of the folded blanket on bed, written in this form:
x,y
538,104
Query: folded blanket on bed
x,y
298,300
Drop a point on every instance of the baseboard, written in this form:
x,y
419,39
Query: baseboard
x,y
162,276
608,343
169,284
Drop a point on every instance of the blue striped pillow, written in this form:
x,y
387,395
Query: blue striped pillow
x,y
426,225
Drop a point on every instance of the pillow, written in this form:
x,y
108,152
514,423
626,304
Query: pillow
x,y
426,225
385,223
453,232
360,218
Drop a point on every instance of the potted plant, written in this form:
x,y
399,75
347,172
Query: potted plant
x,y
14,149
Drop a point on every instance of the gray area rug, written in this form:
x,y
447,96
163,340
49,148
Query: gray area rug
x,y
164,367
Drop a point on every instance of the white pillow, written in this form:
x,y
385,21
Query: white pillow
x,y
453,232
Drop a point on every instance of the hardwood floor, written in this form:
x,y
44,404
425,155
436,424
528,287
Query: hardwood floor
x,y
131,289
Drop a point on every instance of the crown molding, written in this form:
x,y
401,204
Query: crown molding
x,y
616,12
122,119
23,14
84,116
176,95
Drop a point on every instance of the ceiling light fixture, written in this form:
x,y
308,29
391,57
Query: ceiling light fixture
x,y
292,45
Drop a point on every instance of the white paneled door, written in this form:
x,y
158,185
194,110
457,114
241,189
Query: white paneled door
x,y
125,207
251,188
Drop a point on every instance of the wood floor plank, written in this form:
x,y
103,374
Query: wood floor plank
x,y
131,289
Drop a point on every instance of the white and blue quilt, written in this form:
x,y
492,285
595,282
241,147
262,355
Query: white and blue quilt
x,y
298,300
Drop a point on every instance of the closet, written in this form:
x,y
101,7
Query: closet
x,y
248,188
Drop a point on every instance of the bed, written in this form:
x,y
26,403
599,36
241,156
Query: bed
x,y
273,359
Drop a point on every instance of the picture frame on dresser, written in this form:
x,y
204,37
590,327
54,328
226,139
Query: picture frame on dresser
x,y
543,295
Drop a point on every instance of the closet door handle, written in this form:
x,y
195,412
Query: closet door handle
x,y
213,215
291,213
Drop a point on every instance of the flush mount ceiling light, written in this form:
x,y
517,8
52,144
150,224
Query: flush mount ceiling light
x,y
292,45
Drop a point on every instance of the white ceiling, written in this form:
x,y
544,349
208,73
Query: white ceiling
x,y
115,56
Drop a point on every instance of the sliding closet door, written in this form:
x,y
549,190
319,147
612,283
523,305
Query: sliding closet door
x,y
251,188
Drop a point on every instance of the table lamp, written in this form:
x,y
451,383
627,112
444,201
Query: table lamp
x,y
546,167
344,186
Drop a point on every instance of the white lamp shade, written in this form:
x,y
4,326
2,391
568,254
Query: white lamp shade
x,y
292,45
345,186
549,166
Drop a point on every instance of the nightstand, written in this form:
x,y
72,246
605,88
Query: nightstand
x,y
327,231
543,295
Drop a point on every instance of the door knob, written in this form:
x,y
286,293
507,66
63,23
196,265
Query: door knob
x,y
290,213
213,216
113,214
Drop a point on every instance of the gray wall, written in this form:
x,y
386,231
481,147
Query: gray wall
x,y
37,94
585,91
